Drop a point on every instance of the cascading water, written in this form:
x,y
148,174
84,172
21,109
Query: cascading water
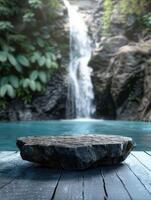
x,y
80,90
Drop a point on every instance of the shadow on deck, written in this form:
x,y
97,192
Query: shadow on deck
x,y
21,180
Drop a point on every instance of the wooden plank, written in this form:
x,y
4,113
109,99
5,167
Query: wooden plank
x,y
3,154
135,188
36,184
11,166
114,187
142,173
6,156
21,180
11,162
148,152
93,185
144,158
70,186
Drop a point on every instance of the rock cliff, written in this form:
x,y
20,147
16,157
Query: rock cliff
x,y
121,67
122,80
121,63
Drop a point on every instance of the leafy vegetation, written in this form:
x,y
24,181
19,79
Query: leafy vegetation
x,y
146,22
27,57
108,6
126,7
133,6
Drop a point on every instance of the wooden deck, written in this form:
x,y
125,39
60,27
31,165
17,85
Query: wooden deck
x,y
21,180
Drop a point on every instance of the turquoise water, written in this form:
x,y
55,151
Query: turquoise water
x,y
139,131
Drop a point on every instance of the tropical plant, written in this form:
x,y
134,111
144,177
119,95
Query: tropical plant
x,y
108,6
146,21
27,57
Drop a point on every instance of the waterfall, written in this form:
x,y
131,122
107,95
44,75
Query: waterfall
x,y
80,89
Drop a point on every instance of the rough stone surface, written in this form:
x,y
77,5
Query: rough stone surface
x,y
120,24
121,68
122,88
48,105
75,152
100,62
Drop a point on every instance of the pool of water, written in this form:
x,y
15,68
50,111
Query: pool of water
x,y
139,131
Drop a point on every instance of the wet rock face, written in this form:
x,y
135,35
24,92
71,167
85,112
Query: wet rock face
x,y
75,152
51,104
121,66
100,62
121,69
120,24
122,84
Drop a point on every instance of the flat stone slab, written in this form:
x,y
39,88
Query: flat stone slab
x,y
75,152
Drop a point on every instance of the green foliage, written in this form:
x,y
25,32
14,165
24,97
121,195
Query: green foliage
x,y
108,6
2,104
27,58
7,89
5,26
146,21
25,95
133,6
126,7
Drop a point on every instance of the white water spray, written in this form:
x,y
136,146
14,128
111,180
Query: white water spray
x,y
80,90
